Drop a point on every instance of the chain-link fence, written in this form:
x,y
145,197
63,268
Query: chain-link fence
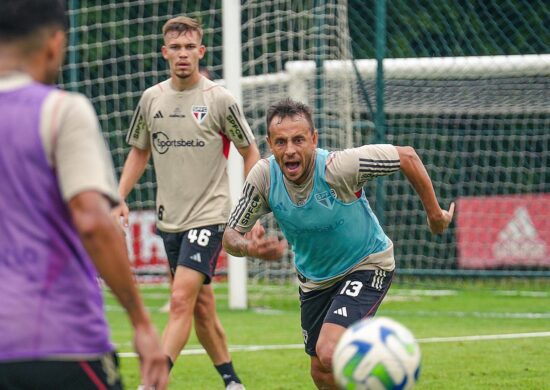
x,y
466,84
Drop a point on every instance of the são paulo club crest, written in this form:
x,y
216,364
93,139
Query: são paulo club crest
x,y
326,198
199,112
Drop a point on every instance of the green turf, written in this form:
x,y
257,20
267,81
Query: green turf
x,y
521,363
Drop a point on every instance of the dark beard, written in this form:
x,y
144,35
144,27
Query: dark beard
x,y
183,77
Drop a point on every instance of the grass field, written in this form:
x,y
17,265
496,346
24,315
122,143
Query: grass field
x,y
470,338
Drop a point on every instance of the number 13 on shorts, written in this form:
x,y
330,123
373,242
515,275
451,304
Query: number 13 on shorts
x,y
352,288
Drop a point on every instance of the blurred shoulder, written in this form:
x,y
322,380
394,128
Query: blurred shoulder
x,y
60,104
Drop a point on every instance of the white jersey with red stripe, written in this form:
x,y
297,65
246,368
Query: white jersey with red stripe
x,y
189,134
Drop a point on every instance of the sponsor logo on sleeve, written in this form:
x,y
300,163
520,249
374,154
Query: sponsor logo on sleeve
x,y
138,128
366,176
371,168
251,210
234,128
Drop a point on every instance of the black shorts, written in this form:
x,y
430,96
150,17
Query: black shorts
x,y
197,249
101,373
356,296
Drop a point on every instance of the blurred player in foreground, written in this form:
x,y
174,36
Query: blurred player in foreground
x,y
187,124
343,258
56,230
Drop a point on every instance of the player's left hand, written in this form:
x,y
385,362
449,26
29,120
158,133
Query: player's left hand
x,y
263,247
120,213
438,224
257,231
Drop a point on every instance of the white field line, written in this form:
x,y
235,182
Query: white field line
x,y
466,314
235,348
254,348
484,337
393,291
417,313
394,294
532,294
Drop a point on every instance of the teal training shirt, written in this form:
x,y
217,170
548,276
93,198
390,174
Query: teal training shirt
x,y
327,235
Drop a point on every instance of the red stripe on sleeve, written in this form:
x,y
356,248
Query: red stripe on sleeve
x,y
226,144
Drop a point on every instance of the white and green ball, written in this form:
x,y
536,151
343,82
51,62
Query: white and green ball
x,y
376,354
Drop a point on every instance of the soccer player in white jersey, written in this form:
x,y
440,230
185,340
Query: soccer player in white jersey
x,y
56,232
187,123
343,258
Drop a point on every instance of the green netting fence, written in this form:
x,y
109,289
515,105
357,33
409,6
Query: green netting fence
x,y
467,84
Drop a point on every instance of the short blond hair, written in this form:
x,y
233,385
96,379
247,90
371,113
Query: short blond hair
x,y
182,24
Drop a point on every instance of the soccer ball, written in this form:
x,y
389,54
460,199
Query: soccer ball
x,y
376,354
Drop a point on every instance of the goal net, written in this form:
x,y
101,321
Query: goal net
x,y
478,115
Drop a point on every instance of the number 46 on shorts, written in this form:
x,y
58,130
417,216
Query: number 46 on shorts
x,y
202,237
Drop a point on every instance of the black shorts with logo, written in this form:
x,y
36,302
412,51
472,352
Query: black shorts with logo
x,y
356,296
197,249
100,373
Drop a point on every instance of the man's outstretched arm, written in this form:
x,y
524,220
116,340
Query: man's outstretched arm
x,y
414,170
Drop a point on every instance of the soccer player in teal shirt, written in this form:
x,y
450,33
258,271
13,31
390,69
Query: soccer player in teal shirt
x,y
343,258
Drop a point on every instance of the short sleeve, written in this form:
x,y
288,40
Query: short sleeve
x,y
80,155
352,168
253,202
138,133
235,126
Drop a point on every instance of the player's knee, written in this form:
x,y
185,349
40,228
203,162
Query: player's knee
x,y
324,353
181,303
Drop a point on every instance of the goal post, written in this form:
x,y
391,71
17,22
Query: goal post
x,y
237,267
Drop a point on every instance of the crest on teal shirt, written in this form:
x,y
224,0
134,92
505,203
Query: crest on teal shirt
x,y
325,199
